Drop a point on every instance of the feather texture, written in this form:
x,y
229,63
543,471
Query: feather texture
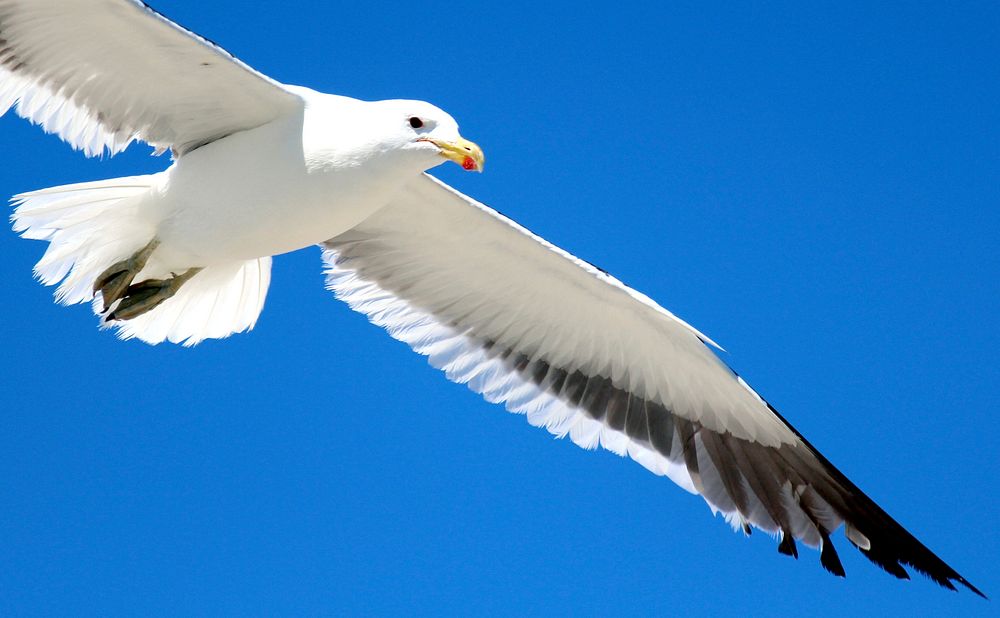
x,y
102,73
578,353
92,225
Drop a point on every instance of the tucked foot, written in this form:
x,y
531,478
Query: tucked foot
x,y
114,282
140,298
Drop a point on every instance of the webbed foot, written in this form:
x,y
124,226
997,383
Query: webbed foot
x,y
114,282
145,296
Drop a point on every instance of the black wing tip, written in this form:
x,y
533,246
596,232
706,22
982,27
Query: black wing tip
x,y
946,581
941,574
787,546
929,566
968,585
927,563
829,559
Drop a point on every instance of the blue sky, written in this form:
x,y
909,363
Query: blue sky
x,y
813,186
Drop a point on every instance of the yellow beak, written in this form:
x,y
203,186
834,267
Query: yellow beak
x,y
461,151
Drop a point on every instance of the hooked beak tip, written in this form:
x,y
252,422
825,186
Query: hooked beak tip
x,y
467,154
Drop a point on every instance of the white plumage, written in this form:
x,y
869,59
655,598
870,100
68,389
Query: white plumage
x,y
262,168
102,73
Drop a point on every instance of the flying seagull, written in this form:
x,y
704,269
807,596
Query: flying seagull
x,y
262,168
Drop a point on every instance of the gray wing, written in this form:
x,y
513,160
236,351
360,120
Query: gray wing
x,y
102,73
526,324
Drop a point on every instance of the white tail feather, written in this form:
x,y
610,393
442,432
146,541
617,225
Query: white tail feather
x,y
90,226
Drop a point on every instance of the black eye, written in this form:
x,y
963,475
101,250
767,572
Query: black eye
x,y
416,123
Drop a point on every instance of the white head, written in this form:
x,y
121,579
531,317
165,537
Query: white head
x,y
424,130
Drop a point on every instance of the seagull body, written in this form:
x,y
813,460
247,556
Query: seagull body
x,y
261,168
294,182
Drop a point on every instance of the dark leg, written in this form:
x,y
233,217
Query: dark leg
x,y
145,296
116,279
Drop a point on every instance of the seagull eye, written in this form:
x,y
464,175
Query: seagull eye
x,y
416,123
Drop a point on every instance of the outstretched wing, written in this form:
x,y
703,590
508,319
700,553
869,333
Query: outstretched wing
x,y
523,322
102,73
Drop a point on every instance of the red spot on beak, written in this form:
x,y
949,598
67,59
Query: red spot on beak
x,y
468,163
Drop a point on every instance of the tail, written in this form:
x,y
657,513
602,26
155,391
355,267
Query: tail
x,y
90,226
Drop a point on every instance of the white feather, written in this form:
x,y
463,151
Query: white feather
x,y
92,225
460,356
470,267
102,73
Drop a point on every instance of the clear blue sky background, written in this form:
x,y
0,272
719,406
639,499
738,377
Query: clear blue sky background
x,y
815,186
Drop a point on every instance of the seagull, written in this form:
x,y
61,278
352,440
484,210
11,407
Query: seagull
x,y
260,168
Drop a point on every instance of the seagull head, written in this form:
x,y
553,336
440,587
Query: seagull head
x,y
432,133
